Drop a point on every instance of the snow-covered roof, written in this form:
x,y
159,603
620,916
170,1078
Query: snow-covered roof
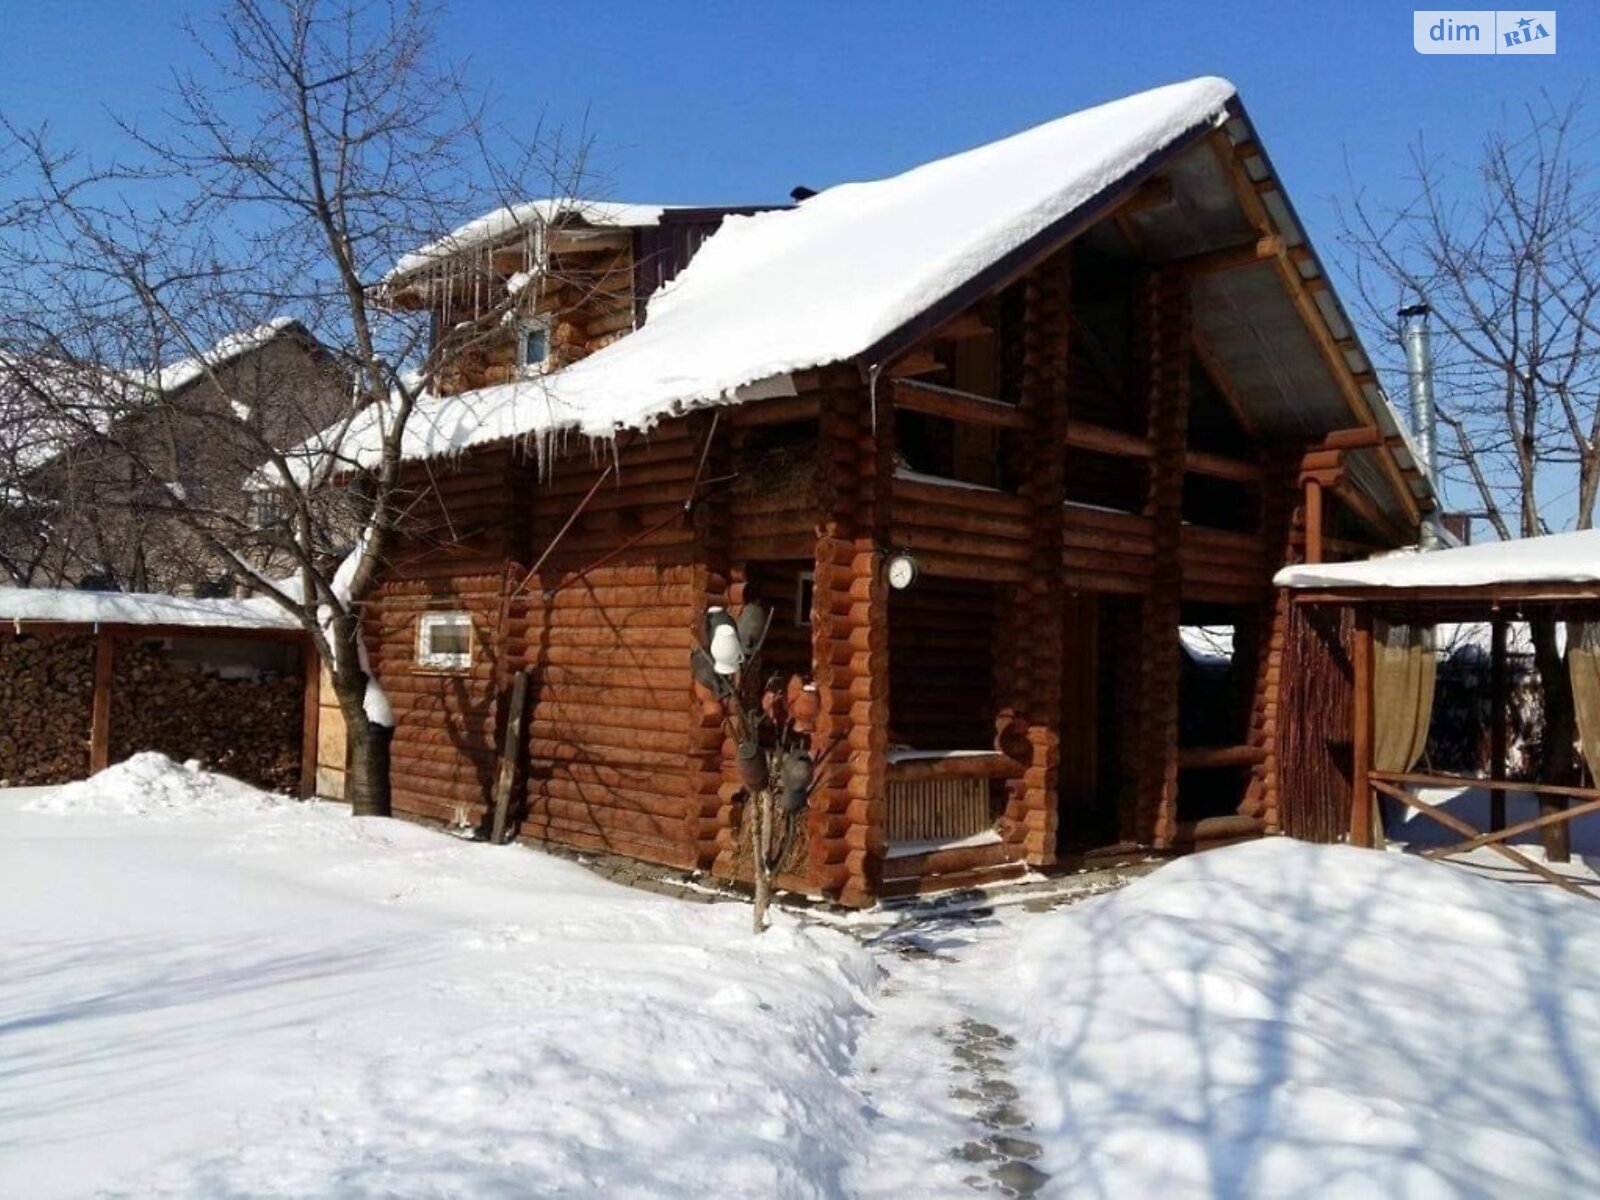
x,y
137,608
48,404
494,226
1555,558
235,345
823,282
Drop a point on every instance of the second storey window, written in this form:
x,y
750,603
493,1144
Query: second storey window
x,y
444,641
533,343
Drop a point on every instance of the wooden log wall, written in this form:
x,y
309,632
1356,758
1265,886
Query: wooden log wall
x,y
1032,816
612,738
962,532
941,664
1108,551
788,646
586,296
444,750
1280,514
710,825
1221,566
774,500
850,645
1162,325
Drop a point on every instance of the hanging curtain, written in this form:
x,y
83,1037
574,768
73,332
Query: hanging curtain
x,y
1583,666
1403,672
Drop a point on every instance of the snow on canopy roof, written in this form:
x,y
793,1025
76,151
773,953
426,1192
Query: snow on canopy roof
x,y
821,283
138,608
1554,558
502,222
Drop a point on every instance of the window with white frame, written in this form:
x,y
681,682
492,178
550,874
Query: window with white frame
x,y
444,641
533,343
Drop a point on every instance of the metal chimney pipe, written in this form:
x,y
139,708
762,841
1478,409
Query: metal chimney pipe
x,y
1419,380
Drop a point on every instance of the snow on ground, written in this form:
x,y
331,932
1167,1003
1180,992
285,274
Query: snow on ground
x,y
1411,830
272,999
153,787
280,1000
1280,1019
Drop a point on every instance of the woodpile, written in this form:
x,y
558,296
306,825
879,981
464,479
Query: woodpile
x,y
249,728
46,696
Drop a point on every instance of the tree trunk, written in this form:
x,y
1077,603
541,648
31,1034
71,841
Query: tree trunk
x,y
760,843
367,783
1556,762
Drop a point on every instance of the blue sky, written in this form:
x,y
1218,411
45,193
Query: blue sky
x,y
713,101
738,102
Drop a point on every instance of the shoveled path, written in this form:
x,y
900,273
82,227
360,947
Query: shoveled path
x,y
935,1062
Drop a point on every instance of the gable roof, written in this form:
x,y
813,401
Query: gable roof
x,y
503,222
825,282
49,405
186,371
860,272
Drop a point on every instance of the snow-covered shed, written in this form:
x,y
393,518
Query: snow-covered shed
x,y
1363,659
983,437
90,678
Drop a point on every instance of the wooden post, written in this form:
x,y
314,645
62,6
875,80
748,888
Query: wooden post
x,y
1165,324
1498,716
100,724
1313,521
310,717
1033,815
506,776
1361,733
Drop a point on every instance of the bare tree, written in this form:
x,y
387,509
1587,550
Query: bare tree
x,y
1506,252
323,140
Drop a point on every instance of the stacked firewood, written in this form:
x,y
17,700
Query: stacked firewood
x,y
46,698
248,728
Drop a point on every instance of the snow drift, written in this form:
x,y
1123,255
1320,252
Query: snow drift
x,y
278,1000
150,785
1282,1019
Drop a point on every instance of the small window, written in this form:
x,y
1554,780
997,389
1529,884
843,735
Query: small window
x,y
805,594
533,343
444,641
269,506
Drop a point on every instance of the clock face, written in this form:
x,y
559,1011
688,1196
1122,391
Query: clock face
x,y
902,571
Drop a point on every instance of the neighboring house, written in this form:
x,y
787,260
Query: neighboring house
x,y
1091,379
95,460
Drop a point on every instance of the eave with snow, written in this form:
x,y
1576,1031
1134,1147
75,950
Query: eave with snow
x,y
1093,378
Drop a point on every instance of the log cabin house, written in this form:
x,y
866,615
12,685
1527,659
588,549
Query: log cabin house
x,y
1092,380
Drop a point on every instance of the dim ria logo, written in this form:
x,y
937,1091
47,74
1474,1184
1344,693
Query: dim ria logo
x,y
1483,31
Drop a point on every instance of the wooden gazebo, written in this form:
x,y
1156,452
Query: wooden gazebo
x,y
1362,604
